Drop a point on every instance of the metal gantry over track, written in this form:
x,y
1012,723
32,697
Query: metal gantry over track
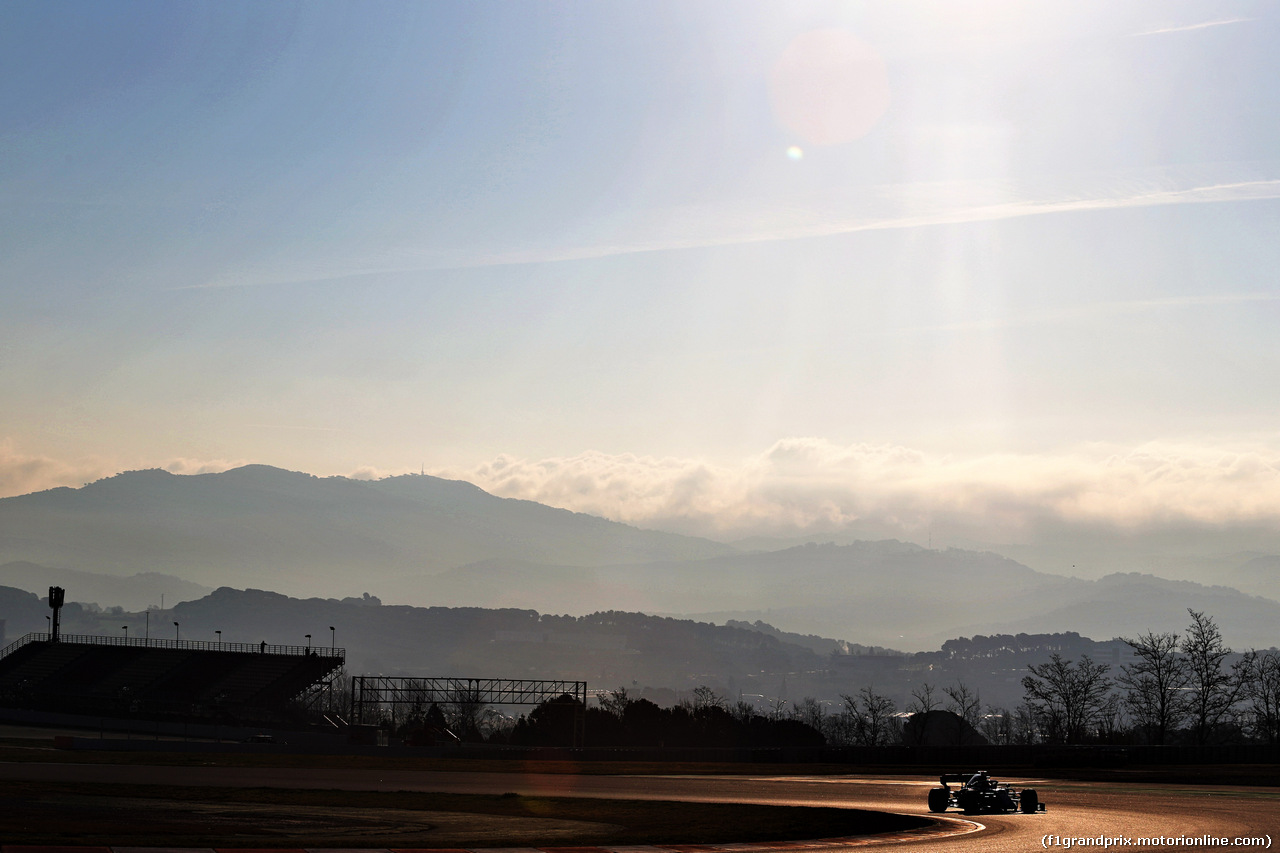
x,y
377,697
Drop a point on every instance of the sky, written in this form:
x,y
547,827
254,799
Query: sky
x,y
728,268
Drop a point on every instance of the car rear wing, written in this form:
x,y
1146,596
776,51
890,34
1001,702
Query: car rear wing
x,y
959,778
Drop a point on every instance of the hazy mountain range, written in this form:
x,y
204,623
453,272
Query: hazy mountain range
x,y
608,649
265,527
655,657
1245,558
134,592
877,593
425,541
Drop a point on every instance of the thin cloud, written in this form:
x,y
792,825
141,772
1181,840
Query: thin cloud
x,y
1095,310
1201,26
301,427
705,227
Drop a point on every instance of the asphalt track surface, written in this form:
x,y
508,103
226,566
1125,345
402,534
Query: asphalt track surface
x,y
1074,809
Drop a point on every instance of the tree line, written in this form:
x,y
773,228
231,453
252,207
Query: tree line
x,y
1187,688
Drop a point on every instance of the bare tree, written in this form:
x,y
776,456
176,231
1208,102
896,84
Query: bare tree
x,y
1066,698
966,704
340,690
1024,729
872,716
1111,718
922,702
614,702
705,697
1214,689
809,711
466,712
1154,685
997,725
922,699
1261,672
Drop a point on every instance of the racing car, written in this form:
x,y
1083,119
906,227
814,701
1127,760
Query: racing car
x,y
980,794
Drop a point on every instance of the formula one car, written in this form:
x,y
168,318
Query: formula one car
x,y
980,794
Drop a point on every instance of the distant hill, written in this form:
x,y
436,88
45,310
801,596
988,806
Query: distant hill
x,y
1259,573
888,593
425,541
1244,557
1129,603
604,648
263,526
22,612
134,592
753,662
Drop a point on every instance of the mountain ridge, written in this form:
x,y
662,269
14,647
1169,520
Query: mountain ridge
x,y
421,540
259,525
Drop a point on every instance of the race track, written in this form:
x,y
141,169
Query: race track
x,y
1075,809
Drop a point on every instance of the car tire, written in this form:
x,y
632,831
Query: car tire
x,y
939,799
1030,801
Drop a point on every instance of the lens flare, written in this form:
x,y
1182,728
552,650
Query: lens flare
x,y
829,87
795,152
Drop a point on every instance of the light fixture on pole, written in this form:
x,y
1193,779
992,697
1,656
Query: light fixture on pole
x,y
176,635
308,643
125,628
219,633
333,641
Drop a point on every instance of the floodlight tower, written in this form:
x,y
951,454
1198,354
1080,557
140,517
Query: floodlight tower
x,y
57,595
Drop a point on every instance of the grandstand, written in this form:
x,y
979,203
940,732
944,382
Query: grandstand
x,y
153,679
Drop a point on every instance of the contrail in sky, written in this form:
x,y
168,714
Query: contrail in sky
x,y
1201,26
818,224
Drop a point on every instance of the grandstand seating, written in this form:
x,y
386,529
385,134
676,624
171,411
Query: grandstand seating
x,y
32,664
162,679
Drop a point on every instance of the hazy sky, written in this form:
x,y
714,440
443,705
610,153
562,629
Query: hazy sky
x,y
764,264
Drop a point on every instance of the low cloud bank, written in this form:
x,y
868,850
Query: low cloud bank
x,y
202,466
24,473
21,473
811,485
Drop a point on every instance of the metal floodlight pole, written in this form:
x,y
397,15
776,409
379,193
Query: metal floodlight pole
x,y
125,628
308,642
176,632
57,596
333,640
219,633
